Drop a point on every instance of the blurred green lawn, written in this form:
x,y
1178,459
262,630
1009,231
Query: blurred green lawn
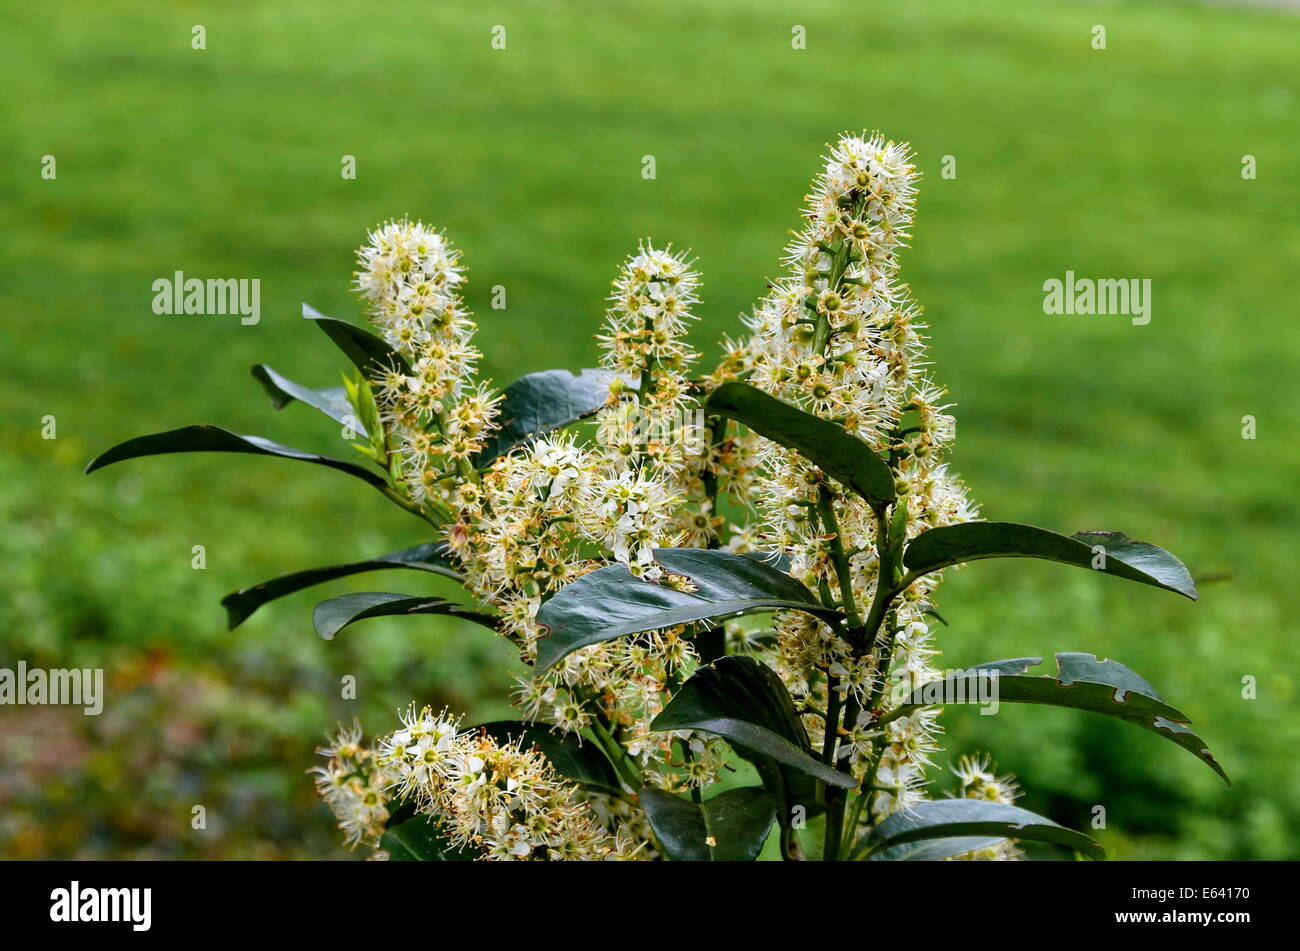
x,y
226,163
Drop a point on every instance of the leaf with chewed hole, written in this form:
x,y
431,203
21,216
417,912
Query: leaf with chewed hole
x,y
1082,682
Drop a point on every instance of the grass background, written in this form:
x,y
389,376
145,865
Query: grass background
x,y
225,162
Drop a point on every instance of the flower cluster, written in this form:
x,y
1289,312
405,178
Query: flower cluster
x,y
500,799
520,530
977,779
839,336
515,535
435,413
643,342
626,682
355,785
520,541
630,515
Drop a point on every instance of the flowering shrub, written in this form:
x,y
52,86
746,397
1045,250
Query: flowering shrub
x,y
723,566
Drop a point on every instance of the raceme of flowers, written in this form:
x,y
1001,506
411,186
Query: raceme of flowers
x,y
503,799
837,335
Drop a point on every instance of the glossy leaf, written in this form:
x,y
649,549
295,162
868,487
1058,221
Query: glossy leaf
x,y
430,557
541,402
330,400
936,850
1082,682
418,839
730,827
214,439
967,824
333,615
369,353
610,602
745,703
838,453
1120,555
573,758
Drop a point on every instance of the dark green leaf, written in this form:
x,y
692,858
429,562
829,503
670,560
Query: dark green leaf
x,y
730,827
430,557
1082,683
838,453
1120,555
213,439
419,839
936,850
582,762
369,354
961,819
540,402
333,615
710,643
330,400
745,703
610,602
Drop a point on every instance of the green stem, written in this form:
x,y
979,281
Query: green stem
x,y
830,734
839,264
866,640
846,844
907,581
885,658
835,799
834,827
398,499
628,770
789,846
884,593
717,428
860,633
840,560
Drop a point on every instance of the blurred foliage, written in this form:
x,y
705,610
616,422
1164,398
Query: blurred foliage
x,y
226,163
